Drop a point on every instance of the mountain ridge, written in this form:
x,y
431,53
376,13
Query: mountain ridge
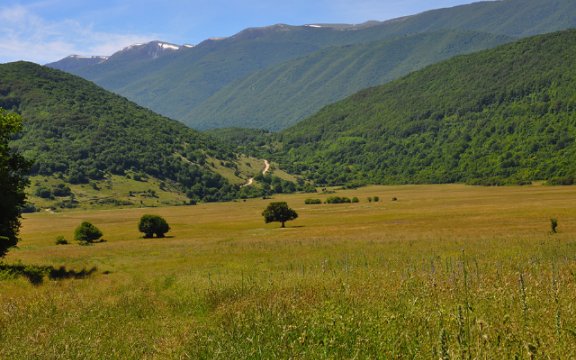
x,y
265,99
174,85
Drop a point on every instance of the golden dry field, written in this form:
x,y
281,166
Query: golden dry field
x,y
444,272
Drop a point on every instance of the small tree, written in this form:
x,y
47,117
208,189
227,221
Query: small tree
x,y
279,212
554,225
153,224
61,240
87,233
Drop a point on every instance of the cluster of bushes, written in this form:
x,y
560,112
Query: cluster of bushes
x,y
29,207
312,201
341,200
87,233
496,181
568,180
58,190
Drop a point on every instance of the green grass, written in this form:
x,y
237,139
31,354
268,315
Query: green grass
x,y
465,272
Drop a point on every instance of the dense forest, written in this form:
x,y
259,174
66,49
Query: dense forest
x,y
506,115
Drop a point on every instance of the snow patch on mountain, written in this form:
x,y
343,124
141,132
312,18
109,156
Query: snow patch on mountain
x,y
169,46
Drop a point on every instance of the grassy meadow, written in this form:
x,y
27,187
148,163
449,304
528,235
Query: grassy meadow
x,y
444,272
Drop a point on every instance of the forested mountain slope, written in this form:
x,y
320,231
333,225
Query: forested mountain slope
x,y
80,132
280,96
502,115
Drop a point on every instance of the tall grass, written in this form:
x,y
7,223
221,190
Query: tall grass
x,y
387,282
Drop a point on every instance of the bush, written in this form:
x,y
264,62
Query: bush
x,y
29,208
153,224
44,193
87,233
376,198
355,200
61,190
312,201
60,240
338,200
569,180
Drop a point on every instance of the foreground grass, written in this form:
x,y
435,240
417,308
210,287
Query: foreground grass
x,y
444,272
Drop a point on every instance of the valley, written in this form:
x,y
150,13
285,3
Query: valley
x,y
397,189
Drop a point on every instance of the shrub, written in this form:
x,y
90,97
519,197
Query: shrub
x,y
44,192
338,200
554,225
312,201
61,190
569,180
29,208
87,233
153,224
60,240
355,199
376,198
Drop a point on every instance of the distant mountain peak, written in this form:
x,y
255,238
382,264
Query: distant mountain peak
x,y
154,44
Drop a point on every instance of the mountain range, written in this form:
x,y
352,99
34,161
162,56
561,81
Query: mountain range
x,y
504,115
239,81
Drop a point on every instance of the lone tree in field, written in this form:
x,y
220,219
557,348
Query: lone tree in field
x,y
13,181
87,233
153,224
554,225
279,212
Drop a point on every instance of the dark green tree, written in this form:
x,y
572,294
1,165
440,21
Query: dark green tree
x,y
554,225
279,212
153,224
87,233
13,181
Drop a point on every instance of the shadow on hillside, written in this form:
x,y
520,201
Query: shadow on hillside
x,y
35,274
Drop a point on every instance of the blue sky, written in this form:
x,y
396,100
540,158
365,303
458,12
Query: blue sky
x,y
48,30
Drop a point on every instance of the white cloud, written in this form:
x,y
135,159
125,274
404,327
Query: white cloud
x,y
27,36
